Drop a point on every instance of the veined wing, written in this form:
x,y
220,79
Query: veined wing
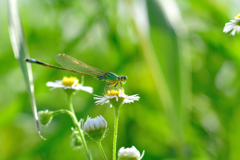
x,y
71,63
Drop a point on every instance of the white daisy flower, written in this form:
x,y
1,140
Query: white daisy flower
x,y
69,83
234,25
119,95
129,153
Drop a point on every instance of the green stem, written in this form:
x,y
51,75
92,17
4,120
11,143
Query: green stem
x,y
101,149
81,134
61,111
116,117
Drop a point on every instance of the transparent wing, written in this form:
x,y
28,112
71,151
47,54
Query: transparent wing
x,y
69,62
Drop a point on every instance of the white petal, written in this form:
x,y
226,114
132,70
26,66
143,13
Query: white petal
x,y
54,85
75,82
98,123
101,100
84,88
103,120
90,125
142,154
233,32
97,97
131,99
229,26
237,28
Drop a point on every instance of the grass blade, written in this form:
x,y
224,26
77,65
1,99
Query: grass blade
x,y
20,52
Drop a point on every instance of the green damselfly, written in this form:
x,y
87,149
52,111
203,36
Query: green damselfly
x,y
73,65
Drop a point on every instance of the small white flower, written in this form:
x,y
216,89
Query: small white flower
x,y
234,25
95,127
129,153
69,83
116,94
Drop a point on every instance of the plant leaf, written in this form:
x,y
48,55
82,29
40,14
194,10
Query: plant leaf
x,y
20,52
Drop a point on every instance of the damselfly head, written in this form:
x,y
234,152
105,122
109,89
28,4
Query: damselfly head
x,y
123,79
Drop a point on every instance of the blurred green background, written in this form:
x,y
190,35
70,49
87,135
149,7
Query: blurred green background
x,y
176,57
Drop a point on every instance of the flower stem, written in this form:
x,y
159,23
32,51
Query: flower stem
x,y
101,149
116,117
75,121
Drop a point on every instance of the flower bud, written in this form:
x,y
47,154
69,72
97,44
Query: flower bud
x,y
45,117
95,128
129,154
76,141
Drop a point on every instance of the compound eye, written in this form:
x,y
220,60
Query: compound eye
x,y
124,78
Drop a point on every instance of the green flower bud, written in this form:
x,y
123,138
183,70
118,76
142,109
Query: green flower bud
x,y
76,141
45,117
95,128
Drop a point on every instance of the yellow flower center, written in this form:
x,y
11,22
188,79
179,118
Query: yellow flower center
x,y
238,16
69,81
115,92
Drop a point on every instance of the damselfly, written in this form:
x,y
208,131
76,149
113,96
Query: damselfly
x,y
73,65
